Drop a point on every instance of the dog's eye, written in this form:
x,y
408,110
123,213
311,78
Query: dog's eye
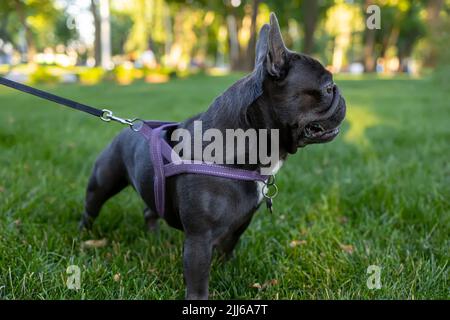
x,y
330,88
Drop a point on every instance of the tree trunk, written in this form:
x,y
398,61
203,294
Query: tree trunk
x,y
434,7
97,34
250,55
105,35
311,16
3,29
233,42
369,46
31,47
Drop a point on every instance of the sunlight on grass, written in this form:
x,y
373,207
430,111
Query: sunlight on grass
x,y
360,119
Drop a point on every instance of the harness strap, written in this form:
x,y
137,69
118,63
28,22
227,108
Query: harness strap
x,y
161,152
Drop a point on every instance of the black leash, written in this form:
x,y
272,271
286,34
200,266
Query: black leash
x,y
104,114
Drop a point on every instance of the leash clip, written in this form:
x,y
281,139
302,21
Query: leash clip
x,y
108,115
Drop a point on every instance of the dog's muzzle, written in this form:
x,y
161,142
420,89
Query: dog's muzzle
x,y
315,130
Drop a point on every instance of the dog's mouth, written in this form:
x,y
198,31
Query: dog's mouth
x,y
327,128
315,132
323,128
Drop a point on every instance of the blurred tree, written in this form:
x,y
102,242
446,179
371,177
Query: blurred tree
x,y
97,32
32,16
401,27
369,40
411,28
9,24
311,12
343,21
434,24
63,33
151,19
102,34
138,38
308,13
241,19
121,24
250,55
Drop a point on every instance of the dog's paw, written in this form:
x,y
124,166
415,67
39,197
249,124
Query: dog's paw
x,y
152,225
85,223
151,220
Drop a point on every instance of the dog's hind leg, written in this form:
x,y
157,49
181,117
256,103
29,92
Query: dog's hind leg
x,y
151,220
107,179
227,245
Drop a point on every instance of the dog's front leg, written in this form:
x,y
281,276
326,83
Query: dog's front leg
x,y
197,262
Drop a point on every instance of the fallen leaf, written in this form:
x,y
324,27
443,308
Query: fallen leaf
x,y
116,277
95,243
347,248
342,219
256,285
17,222
272,282
295,243
2,189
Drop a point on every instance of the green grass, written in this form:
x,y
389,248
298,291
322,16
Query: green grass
x,y
382,187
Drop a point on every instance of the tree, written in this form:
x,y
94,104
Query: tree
x,y
250,55
31,16
102,40
63,33
411,29
433,20
121,24
369,43
97,33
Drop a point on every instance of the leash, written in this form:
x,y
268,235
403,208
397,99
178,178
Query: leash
x,y
104,114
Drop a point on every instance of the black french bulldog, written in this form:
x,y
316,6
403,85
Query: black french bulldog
x,y
287,91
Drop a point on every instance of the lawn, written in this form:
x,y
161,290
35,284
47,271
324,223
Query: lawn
x,y
377,195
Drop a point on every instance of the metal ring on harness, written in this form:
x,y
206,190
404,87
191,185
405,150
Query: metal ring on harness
x,y
136,124
270,189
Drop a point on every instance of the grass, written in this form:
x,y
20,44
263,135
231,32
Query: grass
x,y
377,195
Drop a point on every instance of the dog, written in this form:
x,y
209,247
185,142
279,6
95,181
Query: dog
x,y
287,91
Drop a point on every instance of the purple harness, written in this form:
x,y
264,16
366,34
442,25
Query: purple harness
x,y
161,155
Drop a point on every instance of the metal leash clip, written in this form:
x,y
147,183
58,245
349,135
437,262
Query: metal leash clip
x,y
135,124
270,191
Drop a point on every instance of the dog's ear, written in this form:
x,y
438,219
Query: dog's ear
x,y
262,45
277,53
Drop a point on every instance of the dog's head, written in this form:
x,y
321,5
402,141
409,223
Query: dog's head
x,y
304,101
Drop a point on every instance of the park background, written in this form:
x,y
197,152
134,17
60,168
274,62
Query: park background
x,y
377,195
